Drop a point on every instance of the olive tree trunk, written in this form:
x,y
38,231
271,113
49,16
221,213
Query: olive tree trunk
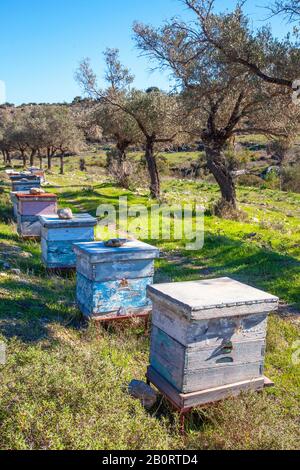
x,y
24,158
152,169
216,163
49,159
32,155
62,164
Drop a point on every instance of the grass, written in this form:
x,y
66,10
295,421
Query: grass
x,y
64,385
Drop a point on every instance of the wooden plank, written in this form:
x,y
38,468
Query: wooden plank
x,y
168,357
130,314
223,375
78,221
38,207
115,296
21,186
184,402
71,234
105,272
210,333
97,252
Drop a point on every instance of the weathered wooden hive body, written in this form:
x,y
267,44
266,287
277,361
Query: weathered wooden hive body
x,y
25,184
209,334
58,237
30,207
112,282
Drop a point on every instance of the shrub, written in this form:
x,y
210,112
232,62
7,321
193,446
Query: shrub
x,y
224,210
291,179
129,174
250,180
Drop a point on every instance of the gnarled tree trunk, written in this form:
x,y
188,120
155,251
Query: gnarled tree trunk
x,y
49,159
24,158
4,157
32,155
40,159
217,164
152,169
122,146
8,157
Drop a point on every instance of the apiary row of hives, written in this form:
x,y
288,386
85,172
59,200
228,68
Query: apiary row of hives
x,y
208,337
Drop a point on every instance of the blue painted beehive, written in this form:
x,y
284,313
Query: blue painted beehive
x,y
58,236
25,184
112,282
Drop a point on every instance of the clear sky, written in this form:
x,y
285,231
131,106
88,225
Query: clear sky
x,y
42,41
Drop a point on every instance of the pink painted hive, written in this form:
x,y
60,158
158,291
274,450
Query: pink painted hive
x,y
30,207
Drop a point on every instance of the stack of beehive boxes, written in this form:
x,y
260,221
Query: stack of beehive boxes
x,y
208,339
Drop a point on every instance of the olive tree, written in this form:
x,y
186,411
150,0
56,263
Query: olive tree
x,y
67,137
223,97
123,130
258,51
156,114
6,145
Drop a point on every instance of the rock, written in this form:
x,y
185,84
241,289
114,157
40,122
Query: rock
x,y
25,254
17,272
65,214
37,191
115,243
143,392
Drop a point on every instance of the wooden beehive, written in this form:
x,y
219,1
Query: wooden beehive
x,y
58,237
112,282
38,172
30,207
25,184
208,336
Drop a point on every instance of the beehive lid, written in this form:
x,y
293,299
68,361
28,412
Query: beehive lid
x,y
29,196
97,252
79,220
208,299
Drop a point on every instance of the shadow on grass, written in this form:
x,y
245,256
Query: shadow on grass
x,y
248,263
30,301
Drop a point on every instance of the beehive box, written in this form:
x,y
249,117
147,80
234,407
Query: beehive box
x,y
14,200
209,335
112,282
30,207
25,184
38,172
59,235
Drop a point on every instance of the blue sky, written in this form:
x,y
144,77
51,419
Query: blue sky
x,y
42,42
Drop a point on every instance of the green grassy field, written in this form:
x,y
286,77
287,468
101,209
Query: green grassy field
x,y
64,385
